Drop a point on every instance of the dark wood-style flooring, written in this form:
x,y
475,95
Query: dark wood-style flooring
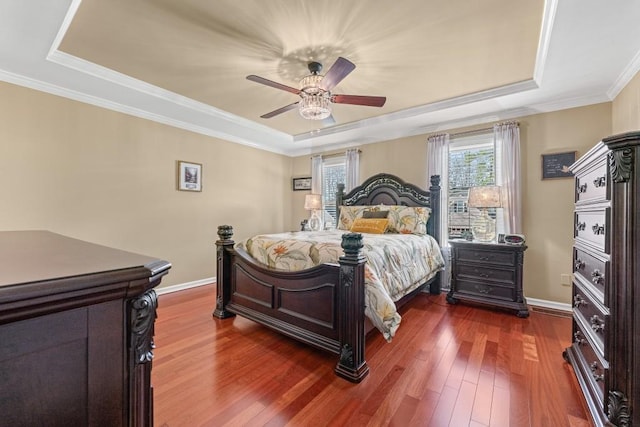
x,y
447,366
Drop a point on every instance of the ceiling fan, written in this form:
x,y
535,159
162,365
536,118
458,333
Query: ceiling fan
x,y
315,91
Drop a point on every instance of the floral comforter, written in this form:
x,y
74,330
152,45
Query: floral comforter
x,y
396,264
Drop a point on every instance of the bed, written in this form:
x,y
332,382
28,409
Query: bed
x,y
324,305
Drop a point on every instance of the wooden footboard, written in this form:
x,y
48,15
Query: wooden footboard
x,y
334,321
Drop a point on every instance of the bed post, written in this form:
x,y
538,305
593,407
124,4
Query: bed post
x,y
434,200
351,365
223,273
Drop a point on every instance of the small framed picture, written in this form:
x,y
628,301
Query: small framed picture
x,y
557,165
301,184
189,176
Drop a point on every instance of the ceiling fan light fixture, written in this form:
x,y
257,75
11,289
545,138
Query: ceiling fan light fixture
x,y
315,106
311,84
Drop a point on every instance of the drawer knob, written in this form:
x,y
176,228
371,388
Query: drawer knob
x,y
600,182
479,274
579,301
483,289
579,264
577,338
597,229
582,188
580,226
597,324
594,368
597,277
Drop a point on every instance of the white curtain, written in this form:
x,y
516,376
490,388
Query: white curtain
x,y
316,174
507,141
353,169
438,164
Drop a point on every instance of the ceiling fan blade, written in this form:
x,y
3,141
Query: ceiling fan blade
x,y
338,71
371,101
271,83
280,110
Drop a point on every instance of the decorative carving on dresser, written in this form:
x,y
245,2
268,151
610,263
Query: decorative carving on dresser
x,y
606,285
618,409
620,164
143,316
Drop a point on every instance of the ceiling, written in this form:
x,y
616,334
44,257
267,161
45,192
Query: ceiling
x,y
441,65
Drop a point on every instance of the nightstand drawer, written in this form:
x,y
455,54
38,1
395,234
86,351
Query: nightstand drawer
x,y
487,290
474,271
486,256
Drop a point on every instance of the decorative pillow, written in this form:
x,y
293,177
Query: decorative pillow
x,y
408,220
375,214
370,225
348,214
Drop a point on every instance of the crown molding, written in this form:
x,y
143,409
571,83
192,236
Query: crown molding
x,y
625,77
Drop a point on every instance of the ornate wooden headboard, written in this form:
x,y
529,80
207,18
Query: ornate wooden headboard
x,y
390,190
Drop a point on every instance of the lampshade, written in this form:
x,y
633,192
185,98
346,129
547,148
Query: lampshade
x,y
312,202
485,197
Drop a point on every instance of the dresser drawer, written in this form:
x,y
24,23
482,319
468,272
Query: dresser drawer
x,y
593,366
592,185
592,270
487,256
471,271
592,315
592,228
482,289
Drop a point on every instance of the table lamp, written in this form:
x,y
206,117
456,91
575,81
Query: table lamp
x,y
484,227
313,203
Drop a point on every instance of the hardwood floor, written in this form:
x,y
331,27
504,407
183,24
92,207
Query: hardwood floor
x,y
447,366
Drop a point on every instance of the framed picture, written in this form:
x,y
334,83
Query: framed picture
x,y
557,165
301,183
189,176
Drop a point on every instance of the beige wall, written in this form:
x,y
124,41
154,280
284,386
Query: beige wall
x,y
626,108
109,178
547,205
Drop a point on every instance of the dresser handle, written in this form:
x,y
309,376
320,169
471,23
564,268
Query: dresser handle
x,y
600,182
579,264
483,289
580,226
597,324
578,301
582,188
597,229
577,338
597,277
594,368
484,275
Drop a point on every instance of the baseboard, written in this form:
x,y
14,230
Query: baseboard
x,y
550,307
182,286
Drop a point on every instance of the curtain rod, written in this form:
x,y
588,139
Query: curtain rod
x,y
471,132
327,156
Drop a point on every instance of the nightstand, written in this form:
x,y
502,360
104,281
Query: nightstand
x,y
489,274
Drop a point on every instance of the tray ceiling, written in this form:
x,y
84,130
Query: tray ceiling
x,y
440,64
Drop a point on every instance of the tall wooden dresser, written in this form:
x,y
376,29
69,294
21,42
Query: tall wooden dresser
x,y
605,353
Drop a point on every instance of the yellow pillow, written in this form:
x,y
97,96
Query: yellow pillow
x,y
370,225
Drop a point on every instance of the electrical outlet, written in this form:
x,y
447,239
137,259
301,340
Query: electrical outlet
x,y
565,279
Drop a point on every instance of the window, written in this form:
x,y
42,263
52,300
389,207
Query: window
x,y
473,162
334,171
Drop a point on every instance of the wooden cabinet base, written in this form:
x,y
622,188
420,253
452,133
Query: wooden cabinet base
x,y
76,332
